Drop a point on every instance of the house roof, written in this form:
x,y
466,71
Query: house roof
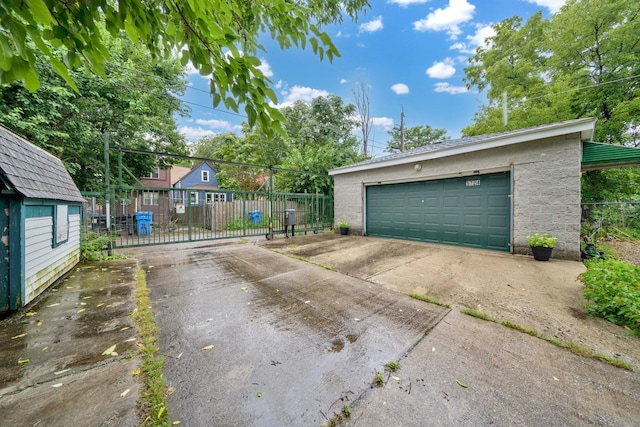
x,y
451,147
177,172
32,172
178,182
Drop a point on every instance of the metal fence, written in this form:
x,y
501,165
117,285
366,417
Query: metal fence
x,y
135,216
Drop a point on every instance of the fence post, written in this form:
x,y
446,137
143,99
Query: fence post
x,y
270,196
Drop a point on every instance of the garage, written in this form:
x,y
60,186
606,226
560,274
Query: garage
x,y
470,211
485,191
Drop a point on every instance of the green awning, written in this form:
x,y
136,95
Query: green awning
x,y
596,155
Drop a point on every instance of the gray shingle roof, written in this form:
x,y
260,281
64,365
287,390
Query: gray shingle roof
x,y
469,141
33,172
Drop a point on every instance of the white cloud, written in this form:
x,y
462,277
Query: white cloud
x,y
190,69
371,26
343,81
447,88
479,39
447,19
215,124
441,69
481,36
265,68
195,133
552,5
279,84
405,3
385,122
300,93
400,88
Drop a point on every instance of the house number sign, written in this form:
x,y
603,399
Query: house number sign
x,y
473,182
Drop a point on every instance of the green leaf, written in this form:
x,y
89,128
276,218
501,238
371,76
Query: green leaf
x,y
251,114
6,54
62,71
31,82
40,11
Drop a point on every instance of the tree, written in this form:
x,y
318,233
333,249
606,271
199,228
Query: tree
x,y
218,37
582,62
320,138
360,93
232,148
414,137
134,108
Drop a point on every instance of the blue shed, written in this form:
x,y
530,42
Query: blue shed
x,y
40,210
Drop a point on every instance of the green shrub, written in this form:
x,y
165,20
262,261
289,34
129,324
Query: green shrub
x,y
612,288
94,247
542,240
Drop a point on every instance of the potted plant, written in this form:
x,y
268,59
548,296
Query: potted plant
x,y
344,227
542,245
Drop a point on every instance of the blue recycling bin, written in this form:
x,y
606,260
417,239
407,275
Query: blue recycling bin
x,y
255,217
143,223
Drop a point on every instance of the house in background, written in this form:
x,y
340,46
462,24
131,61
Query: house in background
x,y
199,187
159,201
40,218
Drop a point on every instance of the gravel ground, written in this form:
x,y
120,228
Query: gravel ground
x,y
628,250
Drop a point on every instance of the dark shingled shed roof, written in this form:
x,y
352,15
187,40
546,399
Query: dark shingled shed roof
x,y
32,172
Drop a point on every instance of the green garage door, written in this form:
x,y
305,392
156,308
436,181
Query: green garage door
x,y
471,211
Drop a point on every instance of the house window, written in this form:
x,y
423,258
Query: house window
x,y
178,197
205,176
193,197
150,198
216,197
61,226
155,174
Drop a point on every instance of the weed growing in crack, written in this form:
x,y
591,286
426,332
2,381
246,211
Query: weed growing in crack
x,y
392,366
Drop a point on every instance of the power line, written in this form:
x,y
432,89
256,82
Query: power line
x,y
583,87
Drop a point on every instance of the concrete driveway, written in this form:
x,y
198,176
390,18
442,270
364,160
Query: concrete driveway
x,y
294,342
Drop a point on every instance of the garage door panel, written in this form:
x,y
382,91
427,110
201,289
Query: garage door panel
x,y
451,201
471,212
473,220
497,221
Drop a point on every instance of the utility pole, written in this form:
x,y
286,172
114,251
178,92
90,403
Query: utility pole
x,y
505,111
402,130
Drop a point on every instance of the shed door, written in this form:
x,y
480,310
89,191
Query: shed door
x,y
4,255
471,211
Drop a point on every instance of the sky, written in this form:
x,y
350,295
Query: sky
x,y
411,54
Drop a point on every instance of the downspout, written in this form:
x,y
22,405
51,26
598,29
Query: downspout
x,y
511,216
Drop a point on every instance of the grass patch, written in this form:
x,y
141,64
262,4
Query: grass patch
x,y
478,314
520,328
428,299
379,379
152,401
572,346
392,366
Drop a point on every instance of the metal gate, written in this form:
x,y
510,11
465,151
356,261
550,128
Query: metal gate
x,y
135,216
